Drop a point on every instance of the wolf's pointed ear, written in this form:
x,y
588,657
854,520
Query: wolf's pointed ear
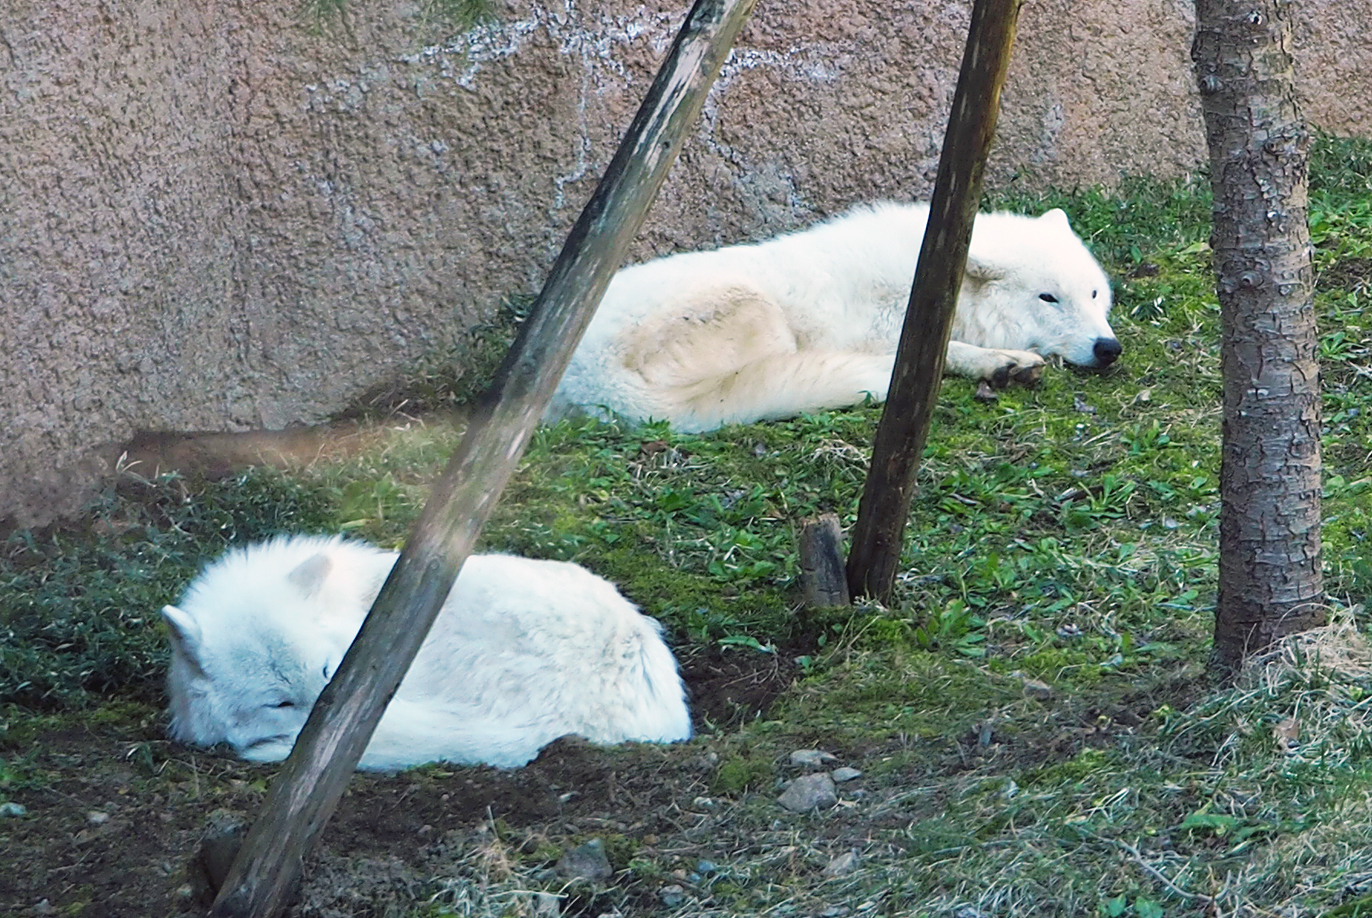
x,y
981,269
1057,216
185,636
310,575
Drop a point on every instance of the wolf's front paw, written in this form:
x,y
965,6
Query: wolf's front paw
x,y
1024,368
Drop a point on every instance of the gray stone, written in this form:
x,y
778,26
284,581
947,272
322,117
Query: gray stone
x,y
586,862
809,792
845,773
841,866
546,905
672,896
1034,688
811,758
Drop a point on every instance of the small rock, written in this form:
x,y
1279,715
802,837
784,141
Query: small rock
x,y
672,896
707,762
13,809
44,908
1034,688
842,865
97,818
809,792
811,758
547,905
845,774
586,862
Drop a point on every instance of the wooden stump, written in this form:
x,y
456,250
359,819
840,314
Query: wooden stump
x,y
822,575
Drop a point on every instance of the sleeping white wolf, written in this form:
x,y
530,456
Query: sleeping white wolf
x,y
523,652
810,320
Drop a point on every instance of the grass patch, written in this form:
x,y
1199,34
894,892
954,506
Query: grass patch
x,y
1030,713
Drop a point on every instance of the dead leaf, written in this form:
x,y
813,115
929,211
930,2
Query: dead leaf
x,y
1287,734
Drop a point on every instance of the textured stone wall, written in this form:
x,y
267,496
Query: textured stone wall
x,y
214,217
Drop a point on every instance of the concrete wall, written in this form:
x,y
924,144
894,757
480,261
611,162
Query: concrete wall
x,y
213,217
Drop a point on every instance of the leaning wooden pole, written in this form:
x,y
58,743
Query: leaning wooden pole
x,y
879,533
306,792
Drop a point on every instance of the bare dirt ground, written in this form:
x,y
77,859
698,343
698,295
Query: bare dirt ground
x,y
114,826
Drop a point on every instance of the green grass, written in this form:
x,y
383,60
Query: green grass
x,y
1063,539
79,620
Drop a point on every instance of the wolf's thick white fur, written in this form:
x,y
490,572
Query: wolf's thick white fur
x,y
810,320
523,652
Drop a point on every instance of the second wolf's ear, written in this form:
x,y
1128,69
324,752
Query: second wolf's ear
x,y
1056,217
310,575
981,269
185,636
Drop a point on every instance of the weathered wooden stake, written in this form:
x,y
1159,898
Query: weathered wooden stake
x,y
306,792
821,563
904,428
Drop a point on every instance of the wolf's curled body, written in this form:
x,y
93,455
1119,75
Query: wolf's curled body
x,y
523,652
810,320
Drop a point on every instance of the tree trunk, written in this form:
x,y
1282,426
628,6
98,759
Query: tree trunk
x,y
1269,571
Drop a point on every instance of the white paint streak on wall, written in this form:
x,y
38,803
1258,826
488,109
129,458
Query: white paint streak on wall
x,y
817,62
595,42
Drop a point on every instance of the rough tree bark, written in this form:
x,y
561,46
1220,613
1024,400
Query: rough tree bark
x,y
1269,572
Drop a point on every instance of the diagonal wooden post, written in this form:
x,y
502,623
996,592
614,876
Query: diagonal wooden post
x,y
306,792
879,532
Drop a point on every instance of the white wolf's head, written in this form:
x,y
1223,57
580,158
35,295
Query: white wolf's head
x,y
258,635
1032,285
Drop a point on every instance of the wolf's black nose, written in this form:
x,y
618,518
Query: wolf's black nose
x,y
1107,351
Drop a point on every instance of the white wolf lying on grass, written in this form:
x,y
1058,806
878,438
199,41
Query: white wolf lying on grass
x,y
810,320
523,652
